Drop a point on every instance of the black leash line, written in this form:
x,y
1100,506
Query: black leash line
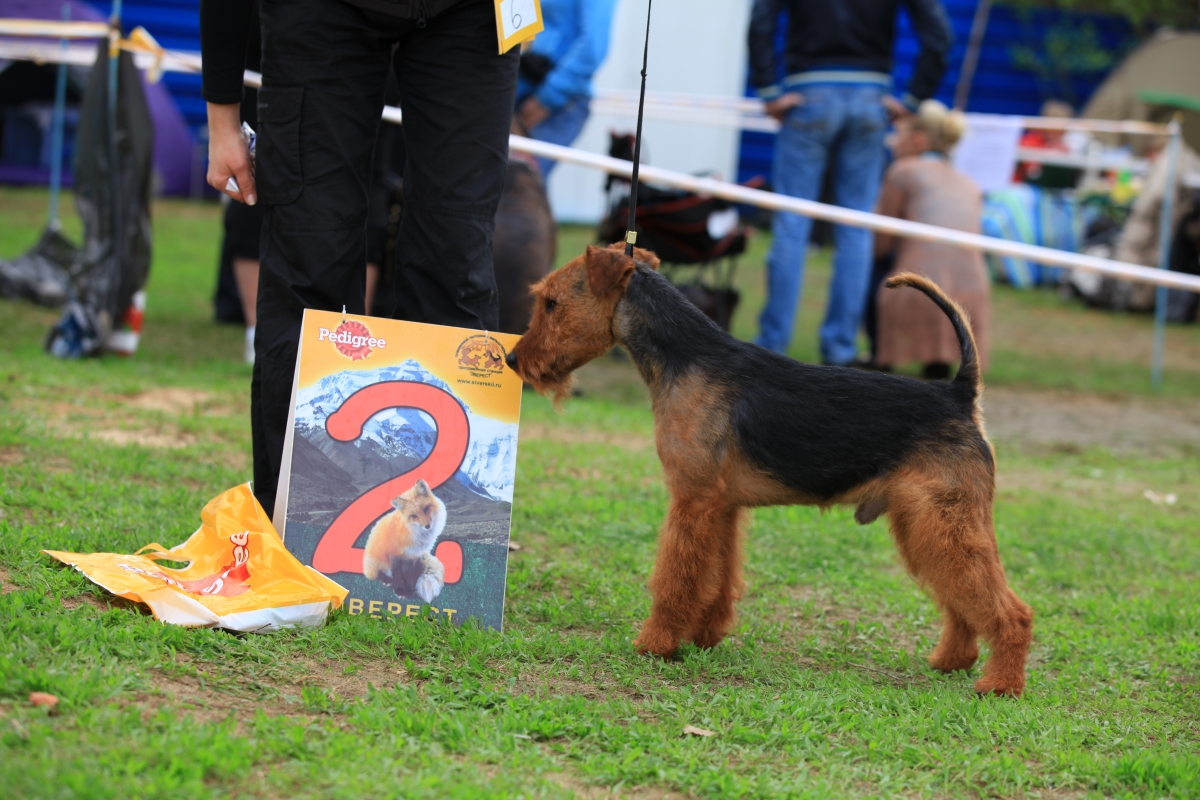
x,y
631,228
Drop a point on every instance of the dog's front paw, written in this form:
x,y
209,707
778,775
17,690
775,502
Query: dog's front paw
x,y
428,587
656,641
952,661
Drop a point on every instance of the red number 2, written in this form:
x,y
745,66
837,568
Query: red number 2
x,y
336,551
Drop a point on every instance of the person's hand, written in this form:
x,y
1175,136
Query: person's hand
x,y
780,106
895,109
228,155
532,113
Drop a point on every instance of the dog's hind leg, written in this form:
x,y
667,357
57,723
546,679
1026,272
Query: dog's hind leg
x,y
945,535
685,581
717,620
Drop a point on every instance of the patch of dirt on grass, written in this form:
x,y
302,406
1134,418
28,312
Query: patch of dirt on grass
x,y
569,435
5,585
57,465
145,438
534,684
11,456
208,701
102,603
354,678
168,399
592,792
1066,420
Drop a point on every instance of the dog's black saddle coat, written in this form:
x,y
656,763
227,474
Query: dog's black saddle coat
x,y
818,430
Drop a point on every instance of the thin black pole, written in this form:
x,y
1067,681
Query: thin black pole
x,y
631,228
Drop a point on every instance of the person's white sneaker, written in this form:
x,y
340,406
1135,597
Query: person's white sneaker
x,y
249,354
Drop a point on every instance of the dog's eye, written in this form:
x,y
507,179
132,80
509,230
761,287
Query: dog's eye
x,y
412,517
426,509
550,304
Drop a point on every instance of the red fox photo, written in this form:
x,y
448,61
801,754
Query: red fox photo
x,y
401,543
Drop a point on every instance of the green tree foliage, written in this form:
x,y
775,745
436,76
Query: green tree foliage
x,y
1144,15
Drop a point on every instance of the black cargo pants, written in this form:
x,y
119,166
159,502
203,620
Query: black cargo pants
x,y
325,65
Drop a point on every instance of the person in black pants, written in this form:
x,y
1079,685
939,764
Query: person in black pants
x,y
325,65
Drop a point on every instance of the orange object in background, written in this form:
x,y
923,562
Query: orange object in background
x,y
239,575
125,336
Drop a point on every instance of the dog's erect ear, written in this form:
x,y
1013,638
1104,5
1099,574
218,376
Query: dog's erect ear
x,y
640,254
608,271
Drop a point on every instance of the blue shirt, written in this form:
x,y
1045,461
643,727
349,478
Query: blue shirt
x,y
576,42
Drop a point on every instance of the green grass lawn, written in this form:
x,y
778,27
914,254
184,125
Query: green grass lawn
x,y
821,692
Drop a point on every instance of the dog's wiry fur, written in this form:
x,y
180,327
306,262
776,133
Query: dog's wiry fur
x,y
738,426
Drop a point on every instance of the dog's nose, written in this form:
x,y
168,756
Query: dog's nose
x,y
511,360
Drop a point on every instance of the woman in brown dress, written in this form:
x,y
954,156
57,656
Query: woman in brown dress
x,y
922,186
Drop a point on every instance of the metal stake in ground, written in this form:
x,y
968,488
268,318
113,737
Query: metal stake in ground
x,y
56,135
631,227
1165,225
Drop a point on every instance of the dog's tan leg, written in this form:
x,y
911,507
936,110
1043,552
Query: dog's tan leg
x,y
945,535
685,582
717,620
1006,624
958,648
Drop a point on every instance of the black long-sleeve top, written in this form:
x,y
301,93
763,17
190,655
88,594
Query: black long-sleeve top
x,y
846,34
225,27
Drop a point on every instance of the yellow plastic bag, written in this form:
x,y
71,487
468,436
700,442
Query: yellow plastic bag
x,y
240,575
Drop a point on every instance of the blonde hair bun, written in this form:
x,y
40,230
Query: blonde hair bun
x,y
943,126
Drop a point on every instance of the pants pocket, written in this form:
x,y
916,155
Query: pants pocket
x,y
278,171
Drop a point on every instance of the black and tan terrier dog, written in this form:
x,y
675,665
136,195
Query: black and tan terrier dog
x,y
738,426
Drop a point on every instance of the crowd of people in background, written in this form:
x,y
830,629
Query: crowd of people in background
x,y
835,103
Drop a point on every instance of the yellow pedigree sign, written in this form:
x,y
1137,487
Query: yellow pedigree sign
x,y
517,21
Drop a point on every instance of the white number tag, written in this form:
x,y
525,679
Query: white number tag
x,y
517,21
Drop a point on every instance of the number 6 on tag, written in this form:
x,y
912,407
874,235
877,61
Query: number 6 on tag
x,y
517,21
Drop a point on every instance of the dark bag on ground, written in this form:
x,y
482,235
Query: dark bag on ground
x,y
114,262
684,230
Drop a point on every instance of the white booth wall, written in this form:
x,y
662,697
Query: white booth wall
x,y
696,46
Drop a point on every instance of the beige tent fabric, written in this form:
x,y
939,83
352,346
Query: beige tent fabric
x,y
1168,62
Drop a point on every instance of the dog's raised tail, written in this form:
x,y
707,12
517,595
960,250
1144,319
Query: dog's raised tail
x,y
968,372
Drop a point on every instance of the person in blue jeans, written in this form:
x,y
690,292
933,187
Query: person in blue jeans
x,y
833,104
555,87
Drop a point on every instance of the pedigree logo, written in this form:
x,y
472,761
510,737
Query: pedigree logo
x,y
352,339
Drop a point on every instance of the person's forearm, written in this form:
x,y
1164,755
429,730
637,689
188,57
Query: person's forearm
x,y
224,32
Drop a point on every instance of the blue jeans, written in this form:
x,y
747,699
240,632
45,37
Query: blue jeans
x,y
561,127
841,126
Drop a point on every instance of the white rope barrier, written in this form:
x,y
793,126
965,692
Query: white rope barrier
x,y
53,29
751,113
187,62
845,216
